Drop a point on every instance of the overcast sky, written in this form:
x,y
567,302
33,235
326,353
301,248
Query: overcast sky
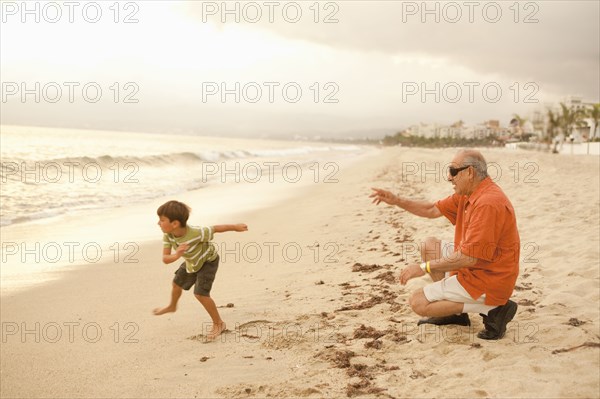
x,y
301,67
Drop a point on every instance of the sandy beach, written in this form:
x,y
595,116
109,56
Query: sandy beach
x,y
312,303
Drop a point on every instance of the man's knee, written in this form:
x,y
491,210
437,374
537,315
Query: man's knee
x,y
418,302
431,248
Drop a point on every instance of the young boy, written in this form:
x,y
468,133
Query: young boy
x,y
200,255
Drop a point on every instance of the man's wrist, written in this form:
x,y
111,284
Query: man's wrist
x,y
398,201
425,267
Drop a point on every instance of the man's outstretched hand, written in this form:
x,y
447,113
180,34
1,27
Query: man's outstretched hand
x,y
383,196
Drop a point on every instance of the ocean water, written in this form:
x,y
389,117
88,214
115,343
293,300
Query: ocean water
x,y
51,172
72,198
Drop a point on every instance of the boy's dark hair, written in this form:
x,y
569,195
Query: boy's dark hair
x,y
175,210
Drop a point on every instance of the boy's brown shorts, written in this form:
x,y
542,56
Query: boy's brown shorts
x,y
203,278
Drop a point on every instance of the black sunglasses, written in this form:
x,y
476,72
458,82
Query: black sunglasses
x,y
454,171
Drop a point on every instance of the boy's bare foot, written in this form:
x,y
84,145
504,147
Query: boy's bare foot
x,y
216,330
168,309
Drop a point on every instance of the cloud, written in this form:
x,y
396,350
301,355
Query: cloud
x,y
553,43
369,52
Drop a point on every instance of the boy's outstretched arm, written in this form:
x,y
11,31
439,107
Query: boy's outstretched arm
x,y
222,228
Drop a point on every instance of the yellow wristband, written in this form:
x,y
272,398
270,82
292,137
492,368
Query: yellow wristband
x,y
427,268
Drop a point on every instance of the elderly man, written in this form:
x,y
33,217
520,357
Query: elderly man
x,y
478,273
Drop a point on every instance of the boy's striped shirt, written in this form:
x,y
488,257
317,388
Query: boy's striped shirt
x,y
200,248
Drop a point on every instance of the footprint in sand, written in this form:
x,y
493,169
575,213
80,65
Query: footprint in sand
x,y
487,356
252,323
205,340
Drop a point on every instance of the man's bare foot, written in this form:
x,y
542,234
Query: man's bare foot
x,y
215,331
168,309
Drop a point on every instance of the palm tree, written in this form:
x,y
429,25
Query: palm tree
x,y
594,113
570,118
553,123
518,121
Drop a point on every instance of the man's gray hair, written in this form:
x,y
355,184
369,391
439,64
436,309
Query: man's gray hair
x,y
475,159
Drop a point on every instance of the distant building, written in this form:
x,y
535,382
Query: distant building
x,y
576,103
424,130
458,130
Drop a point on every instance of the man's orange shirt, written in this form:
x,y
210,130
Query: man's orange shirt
x,y
486,229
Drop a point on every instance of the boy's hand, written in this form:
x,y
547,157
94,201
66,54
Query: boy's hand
x,y
181,249
241,227
223,228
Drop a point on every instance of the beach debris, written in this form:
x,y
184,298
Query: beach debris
x,y
248,390
375,300
396,336
342,358
388,277
361,388
357,388
405,238
523,287
359,267
573,321
388,297
359,370
347,286
383,367
204,358
368,332
339,358
320,282
328,316
416,374
526,302
375,344
584,345
396,307
476,345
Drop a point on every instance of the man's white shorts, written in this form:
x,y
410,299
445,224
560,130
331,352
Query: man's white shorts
x,y
449,289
